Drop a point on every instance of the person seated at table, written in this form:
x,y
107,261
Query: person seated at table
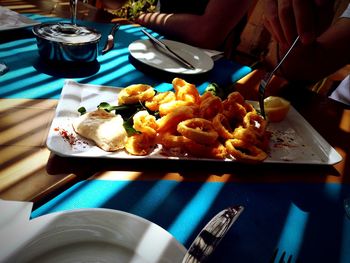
x,y
324,43
206,24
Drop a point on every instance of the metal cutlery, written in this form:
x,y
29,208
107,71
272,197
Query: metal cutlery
x,y
282,258
268,76
211,235
3,68
110,39
168,50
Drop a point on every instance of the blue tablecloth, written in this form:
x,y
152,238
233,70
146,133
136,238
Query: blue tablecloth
x,y
29,78
306,220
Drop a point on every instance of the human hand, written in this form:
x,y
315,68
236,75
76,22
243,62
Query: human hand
x,y
285,19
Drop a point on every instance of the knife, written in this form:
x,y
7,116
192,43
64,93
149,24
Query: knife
x,y
211,235
166,48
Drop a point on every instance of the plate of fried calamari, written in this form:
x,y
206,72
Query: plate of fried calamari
x,y
139,122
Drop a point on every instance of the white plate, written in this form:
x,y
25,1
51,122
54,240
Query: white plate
x,y
12,20
293,140
94,235
148,53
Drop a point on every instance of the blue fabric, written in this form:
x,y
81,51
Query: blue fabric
x,y
306,220
29,78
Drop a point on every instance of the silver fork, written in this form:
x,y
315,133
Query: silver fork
x,y
268,76
282,259
110,39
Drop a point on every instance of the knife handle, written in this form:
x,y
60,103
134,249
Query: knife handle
x,y
211,235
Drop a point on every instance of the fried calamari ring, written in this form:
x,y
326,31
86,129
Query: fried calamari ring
x,y
199,130
216,151
249,107
185,91
172,139
206,95
256,122
169,107
145,123
159,99
245,152
210,106
235,96
171,120
140,144
135,93
222,126
245,134
233,111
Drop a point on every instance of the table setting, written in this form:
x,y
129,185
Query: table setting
x,y
66,198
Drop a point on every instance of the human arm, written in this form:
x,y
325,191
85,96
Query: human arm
x,y
208,30
328,53
323,48
285,19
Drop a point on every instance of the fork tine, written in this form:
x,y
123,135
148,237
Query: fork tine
x,y
268,76
282,257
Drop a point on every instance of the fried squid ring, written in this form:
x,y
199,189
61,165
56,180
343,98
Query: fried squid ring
x,y
210,107
199,130
145,123
255,122
216,151
245,134
159,99
249,107
236,97
222,126
172,139
245,152
206,95
140,144
135,93
233,110
169,107
171,120
185,91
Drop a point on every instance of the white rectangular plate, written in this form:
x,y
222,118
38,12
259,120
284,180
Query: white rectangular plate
x,y
293,140
12,20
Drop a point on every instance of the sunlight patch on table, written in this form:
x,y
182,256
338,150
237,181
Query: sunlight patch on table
x,y
19,170
154,198
293,232
193,213
82,195
332,191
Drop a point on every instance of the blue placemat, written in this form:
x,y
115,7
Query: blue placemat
x,y
29,78
307,220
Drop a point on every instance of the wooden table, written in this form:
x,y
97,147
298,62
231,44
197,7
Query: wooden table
x,y
30,172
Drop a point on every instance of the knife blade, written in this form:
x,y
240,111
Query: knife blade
x,y
169,51
211,235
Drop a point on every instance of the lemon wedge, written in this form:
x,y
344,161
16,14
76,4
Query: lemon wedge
x,y
276,108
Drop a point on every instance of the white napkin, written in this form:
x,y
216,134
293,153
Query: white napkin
x,y
11,20
342,92
14,217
